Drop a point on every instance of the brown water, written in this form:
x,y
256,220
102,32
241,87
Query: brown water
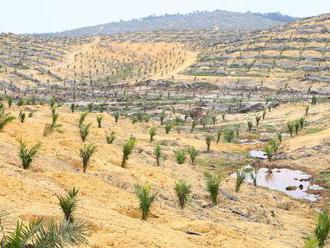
x,y
280,179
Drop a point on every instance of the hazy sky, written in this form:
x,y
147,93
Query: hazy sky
x,y
27,16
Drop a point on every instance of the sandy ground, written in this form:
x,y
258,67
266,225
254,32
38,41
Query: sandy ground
x,y
263,218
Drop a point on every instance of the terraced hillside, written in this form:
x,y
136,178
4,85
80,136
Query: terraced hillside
x,y
294,55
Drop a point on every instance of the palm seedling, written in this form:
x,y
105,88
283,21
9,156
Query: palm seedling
x,y
116,116
258,118
26,155
146,198
274,144
86,153
162,117
279,137
311,242
5,119
110,137
223,116
68,204
208,140
219,133
314,100
90,107
229,135
254,176
82,118
182,190
212,186
21,117
40,234
269,151
301,122
152,133
193,125
180,156
158,152
168,127
264,114
296,126
250,125
290,126
9,101
306,110
240,177
99,119
72,107
127,150
192,154
84,131
322,228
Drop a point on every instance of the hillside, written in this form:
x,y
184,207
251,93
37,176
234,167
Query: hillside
x,y
252,106
215,20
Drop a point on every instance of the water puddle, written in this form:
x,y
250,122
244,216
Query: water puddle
x,y
257,154
294,183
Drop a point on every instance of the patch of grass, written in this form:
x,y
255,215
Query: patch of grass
x,y
313,130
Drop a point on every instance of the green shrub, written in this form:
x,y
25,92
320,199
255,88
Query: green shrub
x,y
86,153
182,190
146,198
219,133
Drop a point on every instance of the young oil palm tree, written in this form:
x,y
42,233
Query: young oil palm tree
x,y
9,101
82,118
219,133
26,155
162,117
168,127
240,177
90,107
146,198
21,117
268,149
250,125
5,119
84,131
68,204
182,190
110,137
322,228
116,116
86,153
152,133
212,186
158,152
180,156
127,150
72,107
258,118
290,126
208,140
192,154
99,119
193,125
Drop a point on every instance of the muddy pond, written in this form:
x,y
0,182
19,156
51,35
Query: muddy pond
x,y
294,183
